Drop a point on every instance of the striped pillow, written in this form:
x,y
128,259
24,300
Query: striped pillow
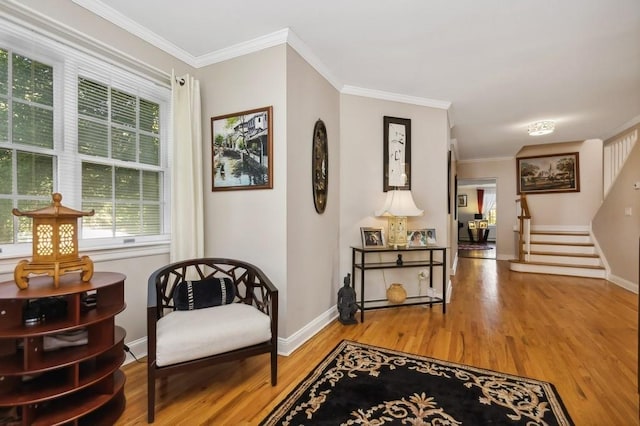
x,y
190,295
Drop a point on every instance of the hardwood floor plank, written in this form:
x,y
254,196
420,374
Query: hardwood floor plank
x,y
578,333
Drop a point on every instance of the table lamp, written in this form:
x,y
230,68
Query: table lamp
x,y
397,207
55,244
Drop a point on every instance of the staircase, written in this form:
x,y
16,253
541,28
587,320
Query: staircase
x,y
560,252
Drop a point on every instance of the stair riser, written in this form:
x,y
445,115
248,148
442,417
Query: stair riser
x,y
561,238
563,249
558,270
566,260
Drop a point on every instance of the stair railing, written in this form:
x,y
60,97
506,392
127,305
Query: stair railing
x,y
524,229
616,151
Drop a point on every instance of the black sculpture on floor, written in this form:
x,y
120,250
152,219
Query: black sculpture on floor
x,y
347,303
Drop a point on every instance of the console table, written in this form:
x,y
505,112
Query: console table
x,y
360,262
76,384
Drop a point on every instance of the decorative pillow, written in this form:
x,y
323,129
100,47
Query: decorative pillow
x,y
190,295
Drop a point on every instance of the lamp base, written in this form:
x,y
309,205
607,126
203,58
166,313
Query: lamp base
x,y
54,269
398,232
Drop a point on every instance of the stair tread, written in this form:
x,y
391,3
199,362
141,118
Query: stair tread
x,y
562,243
571,233
556,253
562,265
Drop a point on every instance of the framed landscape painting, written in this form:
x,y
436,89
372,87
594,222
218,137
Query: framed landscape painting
x,y
242,150
548,173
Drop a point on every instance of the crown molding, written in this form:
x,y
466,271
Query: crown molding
x,y
115,17
269,40
395,97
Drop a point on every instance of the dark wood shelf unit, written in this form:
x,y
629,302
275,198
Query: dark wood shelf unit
x,y
359,262
70,385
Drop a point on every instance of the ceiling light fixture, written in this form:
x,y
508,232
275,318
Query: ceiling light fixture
x,y
541,128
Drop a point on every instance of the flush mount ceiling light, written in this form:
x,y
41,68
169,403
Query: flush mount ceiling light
x,y
541,128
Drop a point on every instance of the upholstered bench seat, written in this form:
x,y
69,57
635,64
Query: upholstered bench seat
x,y
187,335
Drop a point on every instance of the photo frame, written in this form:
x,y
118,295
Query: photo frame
x,y
396,153
372,237
483,224
431,237
548,173
242,150
417,238
462,200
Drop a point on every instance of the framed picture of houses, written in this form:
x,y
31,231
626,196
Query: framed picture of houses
x,y
242,150
548,173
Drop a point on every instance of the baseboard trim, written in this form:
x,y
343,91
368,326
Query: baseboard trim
x,y
139,349
626,284
286,346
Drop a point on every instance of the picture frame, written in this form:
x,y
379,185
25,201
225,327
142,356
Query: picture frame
x,y
471,224
372,237
242,150
396,153
417,238
548,173
431,237
483,224
462,200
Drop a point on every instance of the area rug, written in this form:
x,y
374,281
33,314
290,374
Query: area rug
x,y
474,247
359,384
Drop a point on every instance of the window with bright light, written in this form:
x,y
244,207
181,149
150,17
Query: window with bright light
x,y
491,217
96,133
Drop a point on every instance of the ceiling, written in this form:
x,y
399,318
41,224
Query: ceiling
x,y
499,64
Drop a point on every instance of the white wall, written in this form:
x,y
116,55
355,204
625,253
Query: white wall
x,y
313,274
503,170
618,233
361,178
569,208
248,224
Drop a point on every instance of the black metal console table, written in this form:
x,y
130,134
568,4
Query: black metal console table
x,y
362,264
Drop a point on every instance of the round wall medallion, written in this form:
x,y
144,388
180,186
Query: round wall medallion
x,y
320,166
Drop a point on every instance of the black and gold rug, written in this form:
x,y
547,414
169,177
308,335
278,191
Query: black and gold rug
x,y
358,384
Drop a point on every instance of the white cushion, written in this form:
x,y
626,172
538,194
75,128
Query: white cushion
x,y
188,335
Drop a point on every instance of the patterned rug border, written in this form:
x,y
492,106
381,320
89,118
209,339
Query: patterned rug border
x,y
283,407
475,247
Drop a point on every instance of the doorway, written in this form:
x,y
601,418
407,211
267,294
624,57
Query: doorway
x,y
477,218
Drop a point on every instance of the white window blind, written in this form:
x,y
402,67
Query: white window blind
x,y
90,130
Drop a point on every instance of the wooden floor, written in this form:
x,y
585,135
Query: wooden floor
x,y
577,333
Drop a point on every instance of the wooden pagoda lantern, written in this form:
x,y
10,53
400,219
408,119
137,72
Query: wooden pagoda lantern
x,y
55,244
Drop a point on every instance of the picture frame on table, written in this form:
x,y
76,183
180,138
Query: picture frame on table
x,y
242,150
417,238
372,237
396,156
431,237
548,173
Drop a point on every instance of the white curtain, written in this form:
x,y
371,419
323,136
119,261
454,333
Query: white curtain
x,y
489,201
187,223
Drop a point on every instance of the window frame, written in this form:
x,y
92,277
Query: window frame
x,y
68,64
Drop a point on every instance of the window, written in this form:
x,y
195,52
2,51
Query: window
x,y
119,141
492,215
72,124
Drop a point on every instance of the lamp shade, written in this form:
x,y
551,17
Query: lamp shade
x,y
399,202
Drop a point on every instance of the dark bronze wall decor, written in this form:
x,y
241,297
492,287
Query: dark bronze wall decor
x,y
320,166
